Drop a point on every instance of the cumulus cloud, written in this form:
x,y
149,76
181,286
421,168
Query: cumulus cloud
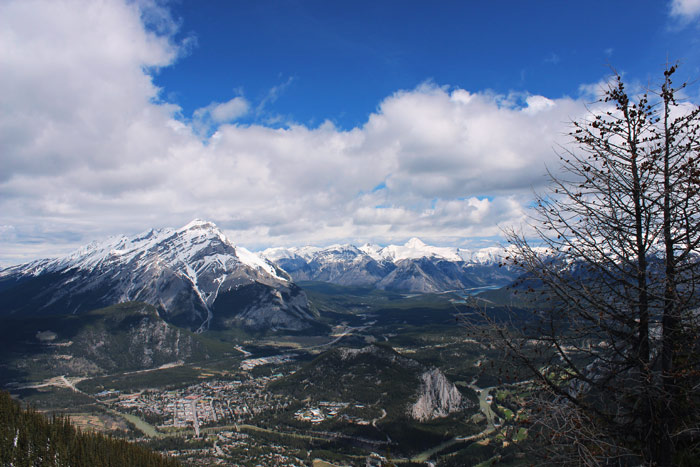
x,y
537,104
69,76
686,10
89,148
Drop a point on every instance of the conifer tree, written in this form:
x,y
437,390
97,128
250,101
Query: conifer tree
x,y
27,438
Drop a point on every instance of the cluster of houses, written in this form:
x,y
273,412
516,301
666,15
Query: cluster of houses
x,y
205,403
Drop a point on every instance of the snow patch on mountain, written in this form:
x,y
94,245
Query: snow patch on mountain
x,y
373,251
251,259
277,253
413,249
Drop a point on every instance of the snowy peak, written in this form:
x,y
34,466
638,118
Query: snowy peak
x,y
196,244
340,253
201,228
199,224
277,253
412,267
413,249
416,249
415,243
332,253
183,271
372,250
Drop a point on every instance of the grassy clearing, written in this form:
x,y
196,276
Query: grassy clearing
x,y
146,428
164,379
322,463
103,423
55,399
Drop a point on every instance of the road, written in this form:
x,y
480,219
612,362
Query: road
x,y
484,406
337,338
56,381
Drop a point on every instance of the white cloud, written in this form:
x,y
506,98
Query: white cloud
x,y
69,77
537,104
88,148
223,112
686,10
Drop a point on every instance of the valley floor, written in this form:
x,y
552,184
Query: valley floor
x,y
240,408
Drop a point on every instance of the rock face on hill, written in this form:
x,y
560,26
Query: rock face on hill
x,y
194,275
438,397
132,336
412,267
124,337
376,375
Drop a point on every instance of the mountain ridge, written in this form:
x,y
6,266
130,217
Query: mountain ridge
x,y
413,267
128,336
414,248
186,273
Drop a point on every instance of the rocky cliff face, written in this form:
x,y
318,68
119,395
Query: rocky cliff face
x,y
438,397
378,376
137,340
125,337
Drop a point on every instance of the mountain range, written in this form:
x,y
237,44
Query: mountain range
x,y
413,267
198,279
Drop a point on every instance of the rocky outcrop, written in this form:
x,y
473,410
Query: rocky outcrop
x,y
137,341
126,337
438,397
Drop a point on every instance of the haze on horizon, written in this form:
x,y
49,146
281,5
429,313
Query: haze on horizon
x,y
303,123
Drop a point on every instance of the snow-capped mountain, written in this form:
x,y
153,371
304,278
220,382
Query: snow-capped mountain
x,y
413,249
194,275
412,267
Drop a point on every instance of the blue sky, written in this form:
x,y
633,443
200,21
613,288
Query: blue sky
x,y
338,60
290,123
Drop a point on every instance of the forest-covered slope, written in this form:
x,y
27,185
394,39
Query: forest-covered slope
x,y
29,438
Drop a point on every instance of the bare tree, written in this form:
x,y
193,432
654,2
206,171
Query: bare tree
x,y
613,347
